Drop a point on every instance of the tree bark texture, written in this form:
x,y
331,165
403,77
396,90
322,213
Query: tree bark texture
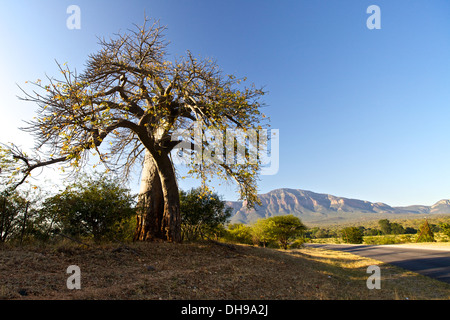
x,y
150,204
171,222
158,215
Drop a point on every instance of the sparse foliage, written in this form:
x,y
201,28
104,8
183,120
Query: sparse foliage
x,y
20,217
12,209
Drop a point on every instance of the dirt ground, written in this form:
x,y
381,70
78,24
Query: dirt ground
x,y
197,271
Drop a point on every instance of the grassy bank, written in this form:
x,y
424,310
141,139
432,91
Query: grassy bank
x,y
201,271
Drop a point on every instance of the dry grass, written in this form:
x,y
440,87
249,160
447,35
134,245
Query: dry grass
x,y
201,271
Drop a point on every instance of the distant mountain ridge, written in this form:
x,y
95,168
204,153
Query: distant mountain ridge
x,y
320,208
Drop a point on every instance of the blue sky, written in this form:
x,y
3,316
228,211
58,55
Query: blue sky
x,y
362,113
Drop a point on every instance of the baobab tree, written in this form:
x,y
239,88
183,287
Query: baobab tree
x,y
126,107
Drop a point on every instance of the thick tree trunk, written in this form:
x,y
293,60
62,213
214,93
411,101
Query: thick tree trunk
x,y
159,201
150,204
171,222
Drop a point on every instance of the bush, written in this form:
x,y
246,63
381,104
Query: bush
x,y
97,207
385,226
285,228
240,233
203,214
397,228
352,235
279,229
273,232
319,233
298,243
260,233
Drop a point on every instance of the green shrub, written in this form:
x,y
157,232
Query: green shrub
x,y
97,207
278,230
284,229
352,235
240,233
203,214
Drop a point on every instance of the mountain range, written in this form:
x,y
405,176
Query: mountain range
x,y
318,208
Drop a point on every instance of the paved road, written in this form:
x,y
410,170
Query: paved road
x,y
432,263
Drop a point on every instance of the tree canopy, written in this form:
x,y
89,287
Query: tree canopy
x,y
281,229
352,235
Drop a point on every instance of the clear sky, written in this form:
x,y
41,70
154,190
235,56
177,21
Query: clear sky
x,y
361,113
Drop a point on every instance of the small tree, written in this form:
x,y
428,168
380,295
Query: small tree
x,y
397,228
425,233
99,207
240,233
260,232
385,226
284,229
352,235
202,213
